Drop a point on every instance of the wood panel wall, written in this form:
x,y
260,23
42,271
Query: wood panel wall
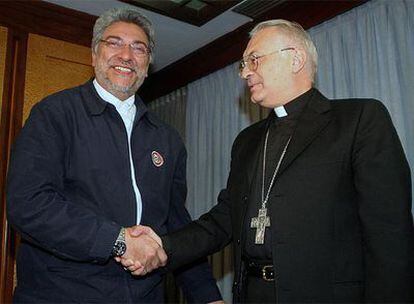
x,y
53,65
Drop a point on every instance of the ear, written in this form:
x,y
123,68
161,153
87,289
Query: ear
x,y
93,58
299,61
146,70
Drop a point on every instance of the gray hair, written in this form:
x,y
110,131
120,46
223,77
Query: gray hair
x,y
123,14
293,30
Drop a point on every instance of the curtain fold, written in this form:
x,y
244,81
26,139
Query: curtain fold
x,y
368,52
218,108
171,109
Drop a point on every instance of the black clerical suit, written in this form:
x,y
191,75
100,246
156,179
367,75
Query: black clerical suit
x,y
280,130
340,211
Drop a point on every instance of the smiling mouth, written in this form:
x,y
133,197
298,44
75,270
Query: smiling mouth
x,y
123,69
253,86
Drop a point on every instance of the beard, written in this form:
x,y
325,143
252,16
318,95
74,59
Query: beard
x,y
124,90
120,91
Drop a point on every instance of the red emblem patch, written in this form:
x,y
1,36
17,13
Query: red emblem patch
x,y
157,159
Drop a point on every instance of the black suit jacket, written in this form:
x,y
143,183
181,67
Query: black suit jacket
x,y
342,228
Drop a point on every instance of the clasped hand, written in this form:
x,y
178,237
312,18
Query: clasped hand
x,y
144,251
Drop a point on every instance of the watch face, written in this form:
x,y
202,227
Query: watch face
x,y
119,248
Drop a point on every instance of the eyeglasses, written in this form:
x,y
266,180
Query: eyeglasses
x,y
252,61
138,48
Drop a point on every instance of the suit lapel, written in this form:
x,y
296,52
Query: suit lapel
x,y
313,120
254,150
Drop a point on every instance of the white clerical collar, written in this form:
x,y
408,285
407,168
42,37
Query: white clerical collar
x,y
108,97
280,111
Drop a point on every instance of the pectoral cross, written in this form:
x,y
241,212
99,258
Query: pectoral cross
x,y
260,223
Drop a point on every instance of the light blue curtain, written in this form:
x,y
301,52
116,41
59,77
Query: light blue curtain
x,y
171,109
369,52
366,52
217,109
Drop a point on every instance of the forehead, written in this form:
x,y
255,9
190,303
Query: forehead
x,y
126,31
264,40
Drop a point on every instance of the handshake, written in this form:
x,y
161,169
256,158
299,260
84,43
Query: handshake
x,y
144,251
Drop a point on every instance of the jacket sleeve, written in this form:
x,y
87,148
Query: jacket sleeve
x,y
382,180
36,204
195,279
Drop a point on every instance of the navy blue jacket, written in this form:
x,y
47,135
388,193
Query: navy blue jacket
x,y
69,192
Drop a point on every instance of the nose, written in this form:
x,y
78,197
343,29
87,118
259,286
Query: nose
x,y
126,52
245,73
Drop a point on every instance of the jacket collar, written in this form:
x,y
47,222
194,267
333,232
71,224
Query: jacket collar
x,y
314,118
96,105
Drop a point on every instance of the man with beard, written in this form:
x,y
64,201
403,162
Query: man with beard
x,y
90,162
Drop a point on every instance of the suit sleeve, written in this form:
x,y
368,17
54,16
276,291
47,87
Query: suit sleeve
x,y
36,203
196,279
382,180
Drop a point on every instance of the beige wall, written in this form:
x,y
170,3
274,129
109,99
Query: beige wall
x,y
53,65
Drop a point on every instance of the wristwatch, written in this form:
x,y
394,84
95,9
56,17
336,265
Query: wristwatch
x,y
120,244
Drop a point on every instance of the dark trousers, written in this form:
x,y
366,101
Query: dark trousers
x,y
257,290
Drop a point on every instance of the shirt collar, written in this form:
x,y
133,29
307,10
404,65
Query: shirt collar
x,y
96,105
108,97
280,111
295,105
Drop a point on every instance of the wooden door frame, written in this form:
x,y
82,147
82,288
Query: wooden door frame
x,y
10,125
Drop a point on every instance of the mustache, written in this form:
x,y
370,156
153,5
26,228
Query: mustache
x,y
124,63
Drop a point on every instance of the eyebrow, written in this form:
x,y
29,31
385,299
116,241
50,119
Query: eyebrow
x,y
113,37
252,53
119,38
